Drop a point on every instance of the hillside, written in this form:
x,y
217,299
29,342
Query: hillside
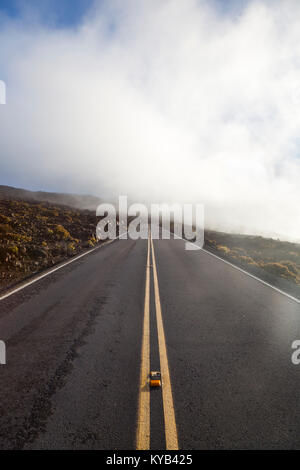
x,y
85,202
275,261
37,235
275,256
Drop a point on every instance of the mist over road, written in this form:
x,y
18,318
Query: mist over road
x,y
73,378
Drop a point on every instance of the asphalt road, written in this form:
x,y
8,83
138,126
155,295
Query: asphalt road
x,y
75,343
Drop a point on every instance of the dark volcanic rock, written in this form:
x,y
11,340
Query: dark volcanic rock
x,y
37,235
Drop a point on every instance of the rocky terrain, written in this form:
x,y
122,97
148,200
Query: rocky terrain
x,y
36,235
278,258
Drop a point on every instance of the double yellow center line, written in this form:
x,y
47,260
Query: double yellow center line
x,y
143,427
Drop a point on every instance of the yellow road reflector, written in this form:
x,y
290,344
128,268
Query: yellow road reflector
x,y
143,428
155,379
169,412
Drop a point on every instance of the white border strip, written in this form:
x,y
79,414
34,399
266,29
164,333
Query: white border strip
x,y
29,283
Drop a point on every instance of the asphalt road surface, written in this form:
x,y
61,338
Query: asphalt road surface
x,y
82,340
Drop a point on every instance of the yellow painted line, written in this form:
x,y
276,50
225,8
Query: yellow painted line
x,y
143,425
169,412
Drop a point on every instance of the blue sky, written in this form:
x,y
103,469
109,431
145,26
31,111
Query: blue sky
x,y
68,13
57,12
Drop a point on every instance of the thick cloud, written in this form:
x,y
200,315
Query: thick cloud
x,y
163,101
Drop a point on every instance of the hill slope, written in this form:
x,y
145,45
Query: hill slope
x,y
37,235
73,200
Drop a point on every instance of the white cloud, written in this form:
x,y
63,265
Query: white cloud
x,y
164,101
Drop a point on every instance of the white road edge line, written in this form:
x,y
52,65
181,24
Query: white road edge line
x,y
38,278
245,272
254,277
